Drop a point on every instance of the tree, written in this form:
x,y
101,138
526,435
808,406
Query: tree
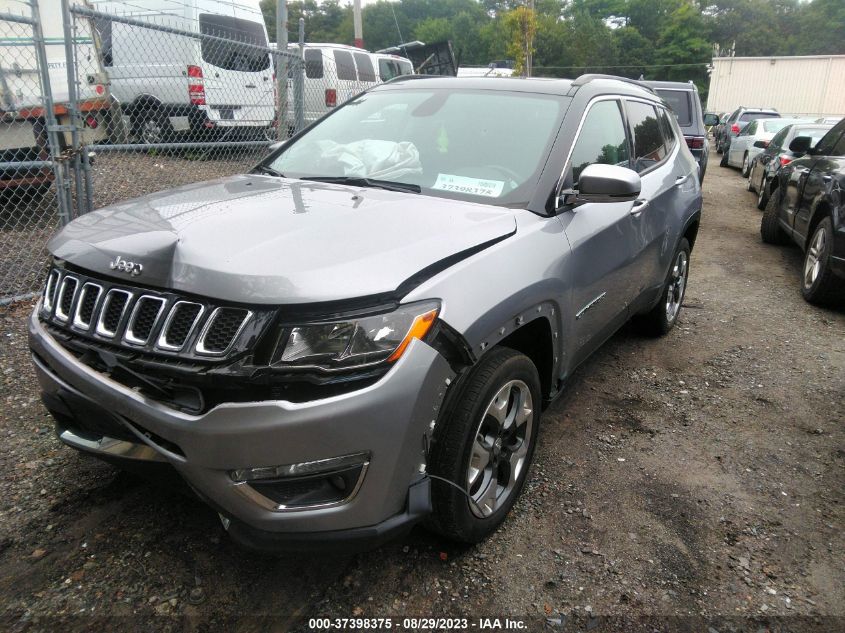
x,y
521,27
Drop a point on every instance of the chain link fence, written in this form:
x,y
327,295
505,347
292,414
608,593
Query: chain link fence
x,y
123,98
28,173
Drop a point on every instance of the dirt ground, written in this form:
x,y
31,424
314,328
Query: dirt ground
x,y
694,481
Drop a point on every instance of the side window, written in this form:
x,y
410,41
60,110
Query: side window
x,y
648,142
826,145
345,65
313,63
777,139
366,72
601,139
839,148
386,69
750,129
667,130
405,68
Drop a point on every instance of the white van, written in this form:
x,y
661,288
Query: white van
x,y
23,129
334,73
390,66
169,83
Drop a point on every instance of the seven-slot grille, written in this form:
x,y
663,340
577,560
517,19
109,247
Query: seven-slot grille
x,y
138,318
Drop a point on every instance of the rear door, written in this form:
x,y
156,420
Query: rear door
x,y
795,193
347,75
238,79
602,236
664,180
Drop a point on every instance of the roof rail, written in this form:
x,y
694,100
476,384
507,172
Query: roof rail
x,y
585,79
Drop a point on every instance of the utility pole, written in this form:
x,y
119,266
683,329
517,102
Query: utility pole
x,y
356,22
282,68
529,44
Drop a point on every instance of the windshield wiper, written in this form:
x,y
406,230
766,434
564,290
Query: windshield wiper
x,y
264,169
358,181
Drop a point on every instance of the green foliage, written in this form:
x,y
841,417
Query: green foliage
x,y
659,39
521,27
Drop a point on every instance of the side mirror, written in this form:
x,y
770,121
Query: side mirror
x,y
711,119
800,144
761,144
604,183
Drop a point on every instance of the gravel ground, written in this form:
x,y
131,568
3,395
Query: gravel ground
x,y
698,477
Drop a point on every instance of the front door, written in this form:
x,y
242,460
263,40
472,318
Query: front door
x,y
602,237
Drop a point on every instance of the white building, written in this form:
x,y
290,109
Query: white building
x,y
812,85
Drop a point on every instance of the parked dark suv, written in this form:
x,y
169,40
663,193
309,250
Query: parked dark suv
x,y
685,103
362,332
806,207
732,126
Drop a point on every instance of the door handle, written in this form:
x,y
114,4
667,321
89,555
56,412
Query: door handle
x,y
640,205
681,180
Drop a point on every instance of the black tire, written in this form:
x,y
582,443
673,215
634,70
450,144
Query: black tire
x,y
745,166
749,186
657,321
825,288
724,161
762,196
456,434
718,146
770,229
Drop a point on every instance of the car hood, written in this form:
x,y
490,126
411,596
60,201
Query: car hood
x,y
267,240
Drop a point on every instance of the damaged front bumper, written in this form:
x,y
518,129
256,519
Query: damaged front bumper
x,y
353,464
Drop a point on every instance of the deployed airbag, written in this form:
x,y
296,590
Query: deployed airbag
x,y
379,160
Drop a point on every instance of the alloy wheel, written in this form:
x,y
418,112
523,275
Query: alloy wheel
x,y
151,131
677,285
500,448
813,258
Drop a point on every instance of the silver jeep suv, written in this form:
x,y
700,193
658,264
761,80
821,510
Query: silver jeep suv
x,y
362,332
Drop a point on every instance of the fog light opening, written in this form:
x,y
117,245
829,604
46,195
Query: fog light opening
x,y
303,486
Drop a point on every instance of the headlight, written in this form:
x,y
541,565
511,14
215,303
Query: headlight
x,y
356,342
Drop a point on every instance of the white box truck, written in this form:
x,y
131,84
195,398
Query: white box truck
x,y
23,135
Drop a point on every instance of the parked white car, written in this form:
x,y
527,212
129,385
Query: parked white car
x,y
169,83
753,139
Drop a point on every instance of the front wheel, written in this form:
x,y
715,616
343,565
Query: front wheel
x,y
485,446
724,161
662,317
819,284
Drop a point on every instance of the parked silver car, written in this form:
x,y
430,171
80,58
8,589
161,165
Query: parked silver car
x,y
752,140
362,332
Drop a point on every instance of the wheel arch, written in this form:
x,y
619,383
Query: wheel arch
x,y
822,209
144,101
536,341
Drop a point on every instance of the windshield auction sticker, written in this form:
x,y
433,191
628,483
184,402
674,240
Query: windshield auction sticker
x,y
471,186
